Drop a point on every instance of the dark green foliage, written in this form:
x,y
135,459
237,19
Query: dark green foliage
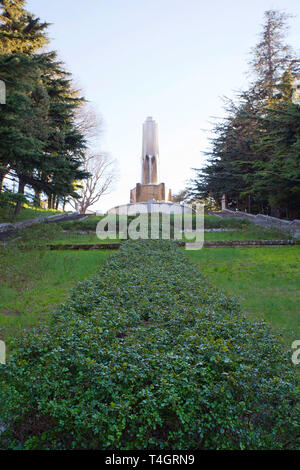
x,y
40,144
254,158
278,168
8,200
146,355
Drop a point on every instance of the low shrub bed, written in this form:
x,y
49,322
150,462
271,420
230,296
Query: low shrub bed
x,y
146,355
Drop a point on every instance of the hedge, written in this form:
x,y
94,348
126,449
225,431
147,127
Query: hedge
x,y
146,355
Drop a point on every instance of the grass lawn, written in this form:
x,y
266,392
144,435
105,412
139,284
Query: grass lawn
x,y
44,234
247,233
266,281
32,283
26,213
251,232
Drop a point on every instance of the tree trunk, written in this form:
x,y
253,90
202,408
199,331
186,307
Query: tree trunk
x,y
3,173
37,198
21,190
2,176
49,201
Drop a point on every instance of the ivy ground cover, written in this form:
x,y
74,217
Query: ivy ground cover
x,y
146,355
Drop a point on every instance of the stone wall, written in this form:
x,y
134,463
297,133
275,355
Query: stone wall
x,y
293,226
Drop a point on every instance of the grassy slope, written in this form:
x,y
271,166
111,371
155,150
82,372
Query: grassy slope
x,y
26,213
249,233
34,282
54,234
266,281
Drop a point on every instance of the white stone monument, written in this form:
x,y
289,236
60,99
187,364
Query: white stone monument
x,y
150,188
150,195
150,153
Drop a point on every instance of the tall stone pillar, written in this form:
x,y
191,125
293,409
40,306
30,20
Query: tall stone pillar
x,y
150,189
150,153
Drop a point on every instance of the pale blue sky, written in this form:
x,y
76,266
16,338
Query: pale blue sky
x,y
170,59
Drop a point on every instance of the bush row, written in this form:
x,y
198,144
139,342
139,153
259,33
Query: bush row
x,y
146,355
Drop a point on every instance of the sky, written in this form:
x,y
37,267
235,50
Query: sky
x,y
173,60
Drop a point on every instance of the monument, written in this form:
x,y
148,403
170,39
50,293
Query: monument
x,y
150,189
150,195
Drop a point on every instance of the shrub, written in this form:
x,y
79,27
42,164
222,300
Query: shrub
x,y
146,355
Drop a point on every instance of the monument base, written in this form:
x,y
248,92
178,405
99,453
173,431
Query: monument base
x,y
150,208
150,192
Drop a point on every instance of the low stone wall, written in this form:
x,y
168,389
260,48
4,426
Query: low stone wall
x,y
8,229
293,226
207,244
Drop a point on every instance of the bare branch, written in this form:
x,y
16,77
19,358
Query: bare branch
x,y
103,175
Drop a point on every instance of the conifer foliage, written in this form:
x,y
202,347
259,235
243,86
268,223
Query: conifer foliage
x,y
255,155
40,145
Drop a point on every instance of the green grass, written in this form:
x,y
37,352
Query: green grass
x,y
211,221
265,280
44,234
251,232
33,283
26,213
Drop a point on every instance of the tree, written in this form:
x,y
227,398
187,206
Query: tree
x,y
88,122
181,196
20,31
20,35
245,146
272,56
40,142
102,170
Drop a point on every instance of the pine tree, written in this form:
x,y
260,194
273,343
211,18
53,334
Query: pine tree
x,y
272,56
40,143
20,31
248,159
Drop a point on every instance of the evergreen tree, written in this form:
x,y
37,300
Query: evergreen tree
x,y
278,149
40,143
250,157
20,31
272,56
